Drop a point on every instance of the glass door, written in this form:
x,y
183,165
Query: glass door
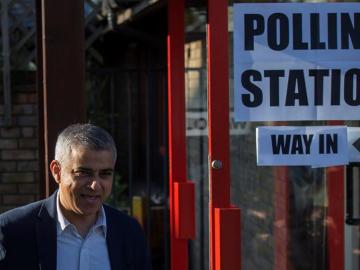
x,y
292,217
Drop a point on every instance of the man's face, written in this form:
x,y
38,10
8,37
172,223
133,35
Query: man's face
x,y
85,180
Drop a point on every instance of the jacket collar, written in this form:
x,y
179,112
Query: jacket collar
x,y
46,233
114,247
47,242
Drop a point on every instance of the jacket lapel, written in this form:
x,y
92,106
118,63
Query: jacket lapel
x,y
115,243
46,234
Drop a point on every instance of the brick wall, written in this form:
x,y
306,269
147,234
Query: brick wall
x,y
19,165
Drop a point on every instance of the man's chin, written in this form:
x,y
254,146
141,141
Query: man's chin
x,y
89,210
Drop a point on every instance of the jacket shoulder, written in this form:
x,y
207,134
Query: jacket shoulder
x,y
21,214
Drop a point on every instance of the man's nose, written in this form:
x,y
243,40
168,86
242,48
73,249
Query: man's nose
x,y
94,185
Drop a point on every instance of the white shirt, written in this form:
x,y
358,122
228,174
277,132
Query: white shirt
x,y
77,253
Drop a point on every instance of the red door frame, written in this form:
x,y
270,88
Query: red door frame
x,y
225,225
225,239
181,191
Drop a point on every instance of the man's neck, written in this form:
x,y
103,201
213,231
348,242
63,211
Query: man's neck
x,y
83,223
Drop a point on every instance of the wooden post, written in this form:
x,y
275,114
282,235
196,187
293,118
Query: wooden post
x,y
6,61
63,77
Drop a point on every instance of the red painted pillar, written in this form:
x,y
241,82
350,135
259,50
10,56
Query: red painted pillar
x,y
335,220
181,192
225,239
281,225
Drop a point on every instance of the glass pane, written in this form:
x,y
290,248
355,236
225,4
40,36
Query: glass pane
x,y
196,126
287,221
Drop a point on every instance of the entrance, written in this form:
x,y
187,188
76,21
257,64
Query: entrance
x,y
291,217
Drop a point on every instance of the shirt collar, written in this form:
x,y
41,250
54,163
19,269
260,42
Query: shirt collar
x,y
63,223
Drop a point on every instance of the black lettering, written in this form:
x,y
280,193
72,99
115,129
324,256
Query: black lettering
x,y
331,143
297,33
307,142
296,81
321,143
335,86
278,22
297,147
349,97
255,98
201,123
332,31
253,25
350,30
315,32
280,144
318,75
274,76
190,123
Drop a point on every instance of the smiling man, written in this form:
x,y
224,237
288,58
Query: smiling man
x,y
73,229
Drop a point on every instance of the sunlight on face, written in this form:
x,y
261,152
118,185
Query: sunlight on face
x,y
86,180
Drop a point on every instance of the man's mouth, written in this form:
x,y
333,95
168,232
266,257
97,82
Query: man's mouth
x,y
90,198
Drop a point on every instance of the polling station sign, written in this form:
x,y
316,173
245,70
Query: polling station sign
x,y
296,61
316,146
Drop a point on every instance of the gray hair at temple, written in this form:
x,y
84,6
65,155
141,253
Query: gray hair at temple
x,y
83,135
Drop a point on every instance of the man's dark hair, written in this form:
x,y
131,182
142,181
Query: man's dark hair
x,y
83,135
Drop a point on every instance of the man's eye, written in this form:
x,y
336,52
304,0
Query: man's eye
x,y
106,174
82,173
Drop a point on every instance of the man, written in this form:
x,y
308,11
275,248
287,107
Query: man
x,y
73,229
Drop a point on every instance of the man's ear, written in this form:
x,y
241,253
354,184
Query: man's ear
x,y
55,169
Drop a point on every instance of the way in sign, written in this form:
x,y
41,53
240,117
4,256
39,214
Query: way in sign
x,y
301,143
317,146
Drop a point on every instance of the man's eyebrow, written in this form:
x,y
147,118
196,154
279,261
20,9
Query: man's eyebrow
x,y
107,170
82,169
91,170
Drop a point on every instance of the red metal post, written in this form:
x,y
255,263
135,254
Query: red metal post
x,y
180,191
227,235
335,220
281,225
219,159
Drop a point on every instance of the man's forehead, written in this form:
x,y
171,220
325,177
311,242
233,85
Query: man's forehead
x,y
85,150
83,154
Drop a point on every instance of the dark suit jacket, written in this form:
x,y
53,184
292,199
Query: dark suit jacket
x,y
28,234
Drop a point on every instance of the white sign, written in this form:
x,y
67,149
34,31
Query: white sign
x,y
297,61
319,146
197,125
